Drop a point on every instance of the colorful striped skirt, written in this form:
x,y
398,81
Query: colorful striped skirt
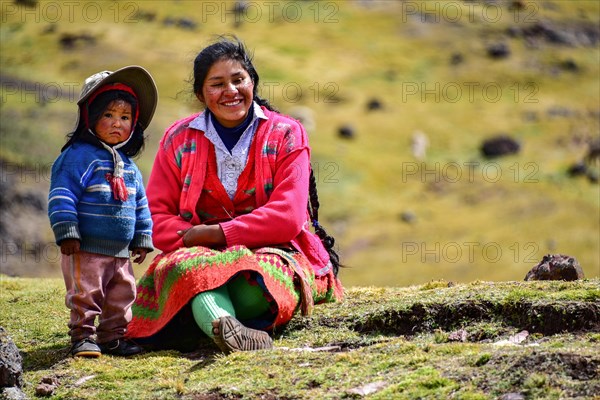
x,y
161,309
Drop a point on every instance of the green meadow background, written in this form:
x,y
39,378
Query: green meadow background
x,y
398,220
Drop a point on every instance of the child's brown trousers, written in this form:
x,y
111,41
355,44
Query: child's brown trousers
x,y
98,286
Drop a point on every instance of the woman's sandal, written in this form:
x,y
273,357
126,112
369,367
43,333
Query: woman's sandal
x,y
233,336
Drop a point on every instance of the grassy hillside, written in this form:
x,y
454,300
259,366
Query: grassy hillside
x,y
480,341
426,63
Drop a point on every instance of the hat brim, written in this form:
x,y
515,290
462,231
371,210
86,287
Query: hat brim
x,y
140,81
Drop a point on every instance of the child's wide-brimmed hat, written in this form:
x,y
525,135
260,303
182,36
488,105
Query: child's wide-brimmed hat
x,y
134,76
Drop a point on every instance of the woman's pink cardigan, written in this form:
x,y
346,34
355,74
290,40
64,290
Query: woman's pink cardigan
x,y
282,168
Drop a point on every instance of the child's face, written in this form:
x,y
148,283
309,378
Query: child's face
x,y
228,92
114,124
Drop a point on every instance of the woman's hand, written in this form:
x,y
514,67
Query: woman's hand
x,y
211,236
69,246
139,254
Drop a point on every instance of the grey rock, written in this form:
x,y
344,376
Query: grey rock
x,y
11,368
556,267
12,393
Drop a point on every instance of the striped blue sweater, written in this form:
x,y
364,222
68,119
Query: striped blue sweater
x,y
81,204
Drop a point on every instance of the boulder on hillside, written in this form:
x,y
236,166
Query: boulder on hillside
x,y
346,131
570,34
69,41
26,3
592,158
456,59
589,166
556,267
498,50
374,104
500,145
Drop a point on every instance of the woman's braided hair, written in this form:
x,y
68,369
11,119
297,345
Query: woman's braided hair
x,y
313,210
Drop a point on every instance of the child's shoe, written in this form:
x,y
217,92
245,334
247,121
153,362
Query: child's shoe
x,y
85,348
120,347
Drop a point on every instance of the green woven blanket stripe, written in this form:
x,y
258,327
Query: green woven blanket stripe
x,y
169,274
279,276
179,268
176,271
141,308
142,312
204,261
269,270
147,280
273,270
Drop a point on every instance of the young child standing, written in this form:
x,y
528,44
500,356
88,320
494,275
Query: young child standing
x,y
98,209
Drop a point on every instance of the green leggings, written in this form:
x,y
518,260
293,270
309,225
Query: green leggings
x,y
237,299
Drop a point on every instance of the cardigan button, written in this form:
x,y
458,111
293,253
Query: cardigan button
x,y
186,215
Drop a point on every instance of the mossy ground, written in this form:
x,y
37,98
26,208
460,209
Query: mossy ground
x,y
397,342
475,218
433,341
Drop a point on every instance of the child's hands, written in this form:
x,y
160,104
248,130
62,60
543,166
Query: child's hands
x,y
139,254
69,246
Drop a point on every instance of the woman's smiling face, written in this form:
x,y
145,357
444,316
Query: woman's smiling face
x,y
227,92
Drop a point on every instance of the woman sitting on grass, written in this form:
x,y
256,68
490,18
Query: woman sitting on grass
x,y
229,196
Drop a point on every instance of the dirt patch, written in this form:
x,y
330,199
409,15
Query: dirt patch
x,y
574,365
574,374
544,318
216,395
